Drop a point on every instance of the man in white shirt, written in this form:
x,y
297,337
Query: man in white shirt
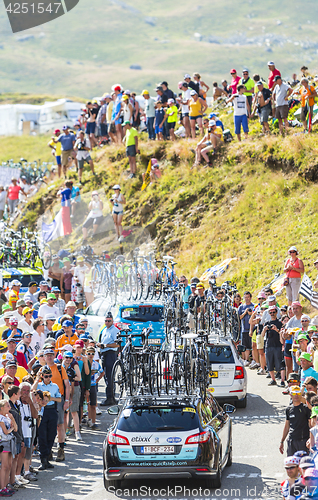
x,y
49,308
60,303
29,295
241,111
280,96
18,312
26,325
39,337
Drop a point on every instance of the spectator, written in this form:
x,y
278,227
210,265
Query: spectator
x,y
24,350
44,287
306,368
18,313
184,102
226,88
118,201
167,92
83,146
70,309
102,115
108,349
235,81
294,268
116,118
49,308
136,115
210,142
15,286
29,428
244,312
26,324
273,73
172,118
3,201
13,195
41,300
92,112
39,337
97,373
74,374
203,87
60,303
79,277
308,94
197,107
14,394
30,294
248,83
68,337
273,346
263,106
294,477
149,114
67,280
3,300
296,429
159,120
7,427
56,273
192,85
218,92
48,427
131,140
127,110
214,116
280,96
67,140
95,216
241,111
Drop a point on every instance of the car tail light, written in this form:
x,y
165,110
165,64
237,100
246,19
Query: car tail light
x,y
239,372
122,326
113,470
202,470
201,437
117,439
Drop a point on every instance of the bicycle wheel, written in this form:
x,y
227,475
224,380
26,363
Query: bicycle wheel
x,y
134,286
133,377
187,373
46,256
144,285
200,377
159,373
118,380
167,373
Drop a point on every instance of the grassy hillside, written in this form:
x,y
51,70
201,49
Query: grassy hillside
x,y
94,45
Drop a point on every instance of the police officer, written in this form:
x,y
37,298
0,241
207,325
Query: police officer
x,y
108,349
48,426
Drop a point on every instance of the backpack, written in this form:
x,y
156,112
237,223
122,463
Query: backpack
x,y
227,136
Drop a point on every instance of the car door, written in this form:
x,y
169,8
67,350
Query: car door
x,y
94,321
221,424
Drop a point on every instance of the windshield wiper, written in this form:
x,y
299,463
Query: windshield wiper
x,y
169,428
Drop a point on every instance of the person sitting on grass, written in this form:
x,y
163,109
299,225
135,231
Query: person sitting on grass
x,y
210,142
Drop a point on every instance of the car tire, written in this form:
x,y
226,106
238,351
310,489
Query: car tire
x,y
241,403
114,483
229,457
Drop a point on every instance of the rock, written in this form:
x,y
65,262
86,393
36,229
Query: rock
x,y
171,244
135,66
146,209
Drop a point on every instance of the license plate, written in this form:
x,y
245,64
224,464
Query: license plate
x,y
157,450
154,341
213,374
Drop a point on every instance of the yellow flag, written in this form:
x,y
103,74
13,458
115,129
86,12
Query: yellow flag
x,y
147,177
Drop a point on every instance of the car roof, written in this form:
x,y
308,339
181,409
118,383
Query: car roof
x,y
219,340
138,303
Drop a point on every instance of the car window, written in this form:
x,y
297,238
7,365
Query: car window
x,y
26,278
158,419
93,308
220,354
206,413
142,313
214,406
104,308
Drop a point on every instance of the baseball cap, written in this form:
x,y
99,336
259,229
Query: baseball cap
x,y
57,131
187,76
27,333
13,321
48,351
159,88
212,115
6,307
127,122
11,339
70,303
193,285
272,308
15,283
291,461
212,123
292,248
55,289
109,315
11,363
296,304
67,322
261,295
300,454
306,356
68,354
117,186
311,472
44,283
270,63
80,343
125,97
66,347
80,258
20,303
302,336
43,301
200,285
7,357
83,336
170,101
50,296
271,298
294,390
314,336
26,310
306,462
50,316
107,96
233,71
314,412
293,377
32,283
117,88
8,314
65,127
259,83
145,92
305,316
193,92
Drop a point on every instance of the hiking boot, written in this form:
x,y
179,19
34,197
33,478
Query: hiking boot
x,y
272,382
48,465
60,455
43,465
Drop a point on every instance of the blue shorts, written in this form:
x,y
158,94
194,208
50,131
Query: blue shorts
x,y
119,122
27,442
238,121
58,160
90,127
158,129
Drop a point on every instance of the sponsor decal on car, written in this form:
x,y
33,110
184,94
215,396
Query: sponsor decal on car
x,y
173,440
141,439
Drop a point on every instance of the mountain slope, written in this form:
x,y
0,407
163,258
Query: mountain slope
x,y
94,45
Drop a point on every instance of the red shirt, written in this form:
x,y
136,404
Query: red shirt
x,y
271,78
14,192
234,84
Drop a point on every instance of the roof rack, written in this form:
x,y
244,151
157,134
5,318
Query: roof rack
x,y
157,400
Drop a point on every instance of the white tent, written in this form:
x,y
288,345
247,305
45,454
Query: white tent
x,y
18,119
58,113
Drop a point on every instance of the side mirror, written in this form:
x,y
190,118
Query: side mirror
x,y
79,311
229,408
241,348
114,410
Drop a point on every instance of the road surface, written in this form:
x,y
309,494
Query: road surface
x,y
257,469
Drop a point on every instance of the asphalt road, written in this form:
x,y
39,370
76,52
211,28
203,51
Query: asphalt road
x,y
256,472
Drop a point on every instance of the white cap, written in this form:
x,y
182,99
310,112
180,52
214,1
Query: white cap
x,y
170,101
187,76
193,92
270,63
7,357
15,283
305,316
293,248
8,314
67,347
212,123
271,298
117,186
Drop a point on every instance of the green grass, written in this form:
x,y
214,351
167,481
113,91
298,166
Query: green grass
x,y
29,147
77,57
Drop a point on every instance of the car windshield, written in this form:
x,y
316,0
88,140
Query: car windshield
x,y
142,313
220,354
158,419
26,278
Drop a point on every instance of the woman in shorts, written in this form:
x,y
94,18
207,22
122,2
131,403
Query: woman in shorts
x,y
118,200
95,216
197,107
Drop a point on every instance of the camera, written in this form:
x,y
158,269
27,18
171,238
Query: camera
x,y
28,419
81,146
102,346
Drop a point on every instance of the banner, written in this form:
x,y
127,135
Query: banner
x,y
216,270
306,290
54,230
146,181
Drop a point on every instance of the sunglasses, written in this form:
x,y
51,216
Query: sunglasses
x,y
41,355
292,251
47,376
182,281
304,321
273,312
108,320
291,467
